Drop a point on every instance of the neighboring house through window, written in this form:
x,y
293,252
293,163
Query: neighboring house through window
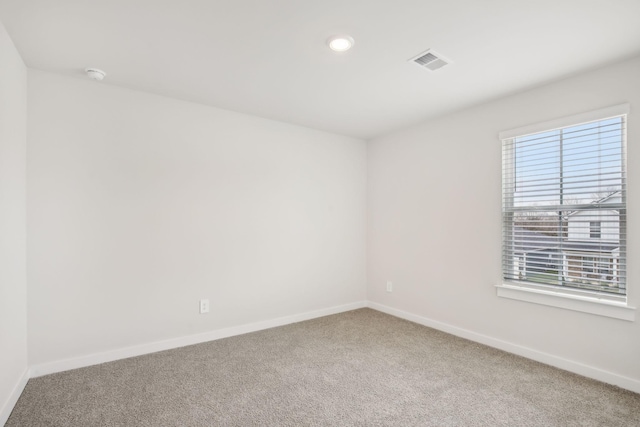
x,y
564,206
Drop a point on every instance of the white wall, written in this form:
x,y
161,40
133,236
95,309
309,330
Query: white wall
x,y
13,280
434,201
141,205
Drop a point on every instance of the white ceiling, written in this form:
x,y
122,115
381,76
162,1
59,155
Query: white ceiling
x,y
269,57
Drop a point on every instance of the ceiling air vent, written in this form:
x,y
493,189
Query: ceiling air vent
x,y
430,60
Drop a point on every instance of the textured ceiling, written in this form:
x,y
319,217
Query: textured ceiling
x,y
269,58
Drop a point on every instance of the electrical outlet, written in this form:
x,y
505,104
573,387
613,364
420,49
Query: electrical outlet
x,y
204,306
389,286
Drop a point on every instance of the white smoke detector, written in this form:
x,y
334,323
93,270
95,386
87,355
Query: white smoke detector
x,y
95,74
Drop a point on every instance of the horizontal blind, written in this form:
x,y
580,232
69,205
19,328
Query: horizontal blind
x,y
564,207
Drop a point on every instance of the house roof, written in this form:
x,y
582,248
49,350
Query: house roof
x,y
527,240
596,202
530,241
585,246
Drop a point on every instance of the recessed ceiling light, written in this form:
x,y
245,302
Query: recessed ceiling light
x,y
340,43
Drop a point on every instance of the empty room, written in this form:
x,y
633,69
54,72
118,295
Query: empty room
x,y
297,213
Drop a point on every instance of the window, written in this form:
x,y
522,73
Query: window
x,y
564,205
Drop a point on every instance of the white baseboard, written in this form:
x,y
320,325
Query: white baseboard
x,y
547,359
8,405
139,350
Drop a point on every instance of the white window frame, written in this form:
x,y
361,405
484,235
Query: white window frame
x,y
570,299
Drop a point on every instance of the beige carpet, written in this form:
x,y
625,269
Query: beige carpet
x,y
361,368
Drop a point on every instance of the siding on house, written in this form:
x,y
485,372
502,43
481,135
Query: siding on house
x,y
579,223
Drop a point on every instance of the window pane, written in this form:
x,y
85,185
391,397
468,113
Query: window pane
x,y
564,207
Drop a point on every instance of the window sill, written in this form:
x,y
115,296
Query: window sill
x,y
583,304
